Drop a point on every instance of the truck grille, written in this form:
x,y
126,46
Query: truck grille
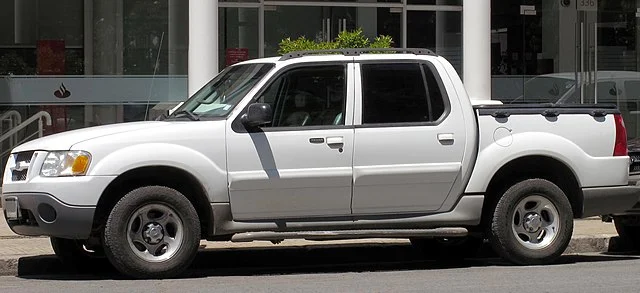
x,y
634,167
19,175
21,168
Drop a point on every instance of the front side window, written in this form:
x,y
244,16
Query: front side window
x,y
307,96
400,93
218,97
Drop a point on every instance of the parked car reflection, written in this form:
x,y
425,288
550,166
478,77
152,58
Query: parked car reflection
x,y
612,87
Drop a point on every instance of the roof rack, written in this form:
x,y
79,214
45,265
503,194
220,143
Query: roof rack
x,y
356,52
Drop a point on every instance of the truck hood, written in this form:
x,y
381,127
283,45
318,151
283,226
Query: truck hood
x,y
64,140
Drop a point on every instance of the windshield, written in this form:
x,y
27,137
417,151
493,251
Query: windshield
x,y
545,89
219,96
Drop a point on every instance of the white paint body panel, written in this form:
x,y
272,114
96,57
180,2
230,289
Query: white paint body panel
x,y
197,147
579,141
283,175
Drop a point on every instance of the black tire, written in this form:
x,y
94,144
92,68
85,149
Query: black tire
x,y
502,237
628,228
116,240
447,249
72,253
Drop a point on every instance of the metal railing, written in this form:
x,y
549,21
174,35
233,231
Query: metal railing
x,y
11,114
38,117
12,119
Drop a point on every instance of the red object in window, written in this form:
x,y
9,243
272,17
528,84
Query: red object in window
x,y
51,61
235,55
50,57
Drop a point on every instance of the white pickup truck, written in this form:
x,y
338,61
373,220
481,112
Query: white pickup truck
x,y
312,145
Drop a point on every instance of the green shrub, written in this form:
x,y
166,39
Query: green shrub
x,y
345,39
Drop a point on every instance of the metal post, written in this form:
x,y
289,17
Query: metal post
x,y
582,82
595,62
40,127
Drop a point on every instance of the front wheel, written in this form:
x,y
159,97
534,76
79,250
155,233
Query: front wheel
x,y
152,232
532,223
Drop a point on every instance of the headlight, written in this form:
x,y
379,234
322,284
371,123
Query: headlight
x,y
65,163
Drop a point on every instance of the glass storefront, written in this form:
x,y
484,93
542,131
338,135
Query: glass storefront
x,y
90,62
567,51
140,48
238,31
324,23
440,31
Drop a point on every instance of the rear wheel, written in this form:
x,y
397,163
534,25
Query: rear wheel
x,y
152,232
532,223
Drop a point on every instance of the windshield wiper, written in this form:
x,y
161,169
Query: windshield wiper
x,y
187,113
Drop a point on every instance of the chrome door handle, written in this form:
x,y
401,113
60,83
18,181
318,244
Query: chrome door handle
x,y
335,140
445,137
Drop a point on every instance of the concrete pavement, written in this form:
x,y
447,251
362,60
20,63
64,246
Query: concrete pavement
x,y
590,235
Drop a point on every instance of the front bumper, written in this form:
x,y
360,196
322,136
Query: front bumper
x,y
609,200
41,214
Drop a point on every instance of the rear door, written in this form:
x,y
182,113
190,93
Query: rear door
x,y
409,139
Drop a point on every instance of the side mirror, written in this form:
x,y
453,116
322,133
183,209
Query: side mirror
x,y
258,114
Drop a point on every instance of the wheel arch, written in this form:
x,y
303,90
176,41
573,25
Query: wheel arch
x,y
534,166
162,175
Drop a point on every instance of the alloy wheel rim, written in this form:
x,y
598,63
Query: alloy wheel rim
x,y
155,232
535,222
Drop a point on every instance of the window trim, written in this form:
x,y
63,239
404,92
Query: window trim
x,y
238,127
426,88
439,82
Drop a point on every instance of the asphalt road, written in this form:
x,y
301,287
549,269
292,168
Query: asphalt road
x,y
375,269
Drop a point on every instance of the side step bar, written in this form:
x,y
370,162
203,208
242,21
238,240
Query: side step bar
x,y
350,234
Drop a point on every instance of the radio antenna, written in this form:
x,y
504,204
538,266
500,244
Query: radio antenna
x,y
153,78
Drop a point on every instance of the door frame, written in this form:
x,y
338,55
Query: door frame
x,y
234,125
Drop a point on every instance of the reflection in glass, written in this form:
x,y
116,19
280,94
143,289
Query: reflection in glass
x,y
222,93
440,31
238,35
324,23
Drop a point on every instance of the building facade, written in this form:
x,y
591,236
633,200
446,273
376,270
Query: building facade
x,y
93,62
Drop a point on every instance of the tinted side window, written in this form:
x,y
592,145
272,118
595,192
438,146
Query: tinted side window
x,y
308,96
396,93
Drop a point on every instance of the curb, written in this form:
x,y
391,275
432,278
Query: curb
x,y
589,244
260,258
9,267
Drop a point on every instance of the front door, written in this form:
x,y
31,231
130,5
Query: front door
x,y
300,165
410,142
